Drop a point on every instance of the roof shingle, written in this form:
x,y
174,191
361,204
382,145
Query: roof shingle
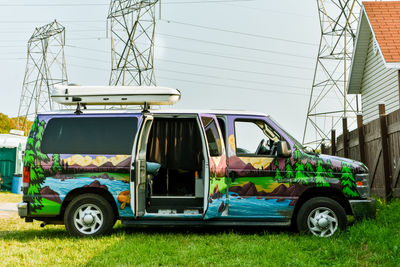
x,y
384,18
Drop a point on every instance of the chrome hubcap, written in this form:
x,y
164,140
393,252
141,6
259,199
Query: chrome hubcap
x,y
322,222
88,219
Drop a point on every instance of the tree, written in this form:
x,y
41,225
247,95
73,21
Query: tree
x,y
347,181
289,169
56,167
7,124
33,159
297,154
278,175
300,177
309,167
320,174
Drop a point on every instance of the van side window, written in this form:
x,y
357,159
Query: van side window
x,y
255,138
94,135
212,135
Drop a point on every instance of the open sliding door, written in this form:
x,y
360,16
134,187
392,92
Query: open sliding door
x,y
216,187
139,181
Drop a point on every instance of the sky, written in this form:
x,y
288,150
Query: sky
x,y
248,55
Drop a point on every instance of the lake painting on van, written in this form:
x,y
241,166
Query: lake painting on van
x,y
52,176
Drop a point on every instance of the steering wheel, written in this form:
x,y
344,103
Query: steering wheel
x,y
274,148
260,146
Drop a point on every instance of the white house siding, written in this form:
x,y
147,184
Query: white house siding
x,y
379,85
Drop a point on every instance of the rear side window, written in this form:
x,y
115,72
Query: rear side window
x,y
213,138
106,135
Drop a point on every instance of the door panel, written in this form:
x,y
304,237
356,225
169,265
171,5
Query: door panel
x,y
139,182
217,184
257,188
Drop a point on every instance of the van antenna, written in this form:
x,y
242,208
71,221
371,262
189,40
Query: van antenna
x,y
78,110
146,107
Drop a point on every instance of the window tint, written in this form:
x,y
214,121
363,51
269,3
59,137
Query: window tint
x,y
249,136
107,135
213,138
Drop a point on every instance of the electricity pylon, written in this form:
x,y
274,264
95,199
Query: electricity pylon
x,y
132,24
329,102
45,67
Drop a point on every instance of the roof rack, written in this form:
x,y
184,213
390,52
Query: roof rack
x,y
81,96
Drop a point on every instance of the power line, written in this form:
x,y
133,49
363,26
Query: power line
x,y
232,86
234,70
235,58
88,49
232,79
97,4
235,46
88,30
44,21
193,64
197,74
206,2
214,84
241,33
204,75
205,66
268,10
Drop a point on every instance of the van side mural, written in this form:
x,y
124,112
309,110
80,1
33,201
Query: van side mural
x,y
218,186
301,169
53,176
265,179
67,172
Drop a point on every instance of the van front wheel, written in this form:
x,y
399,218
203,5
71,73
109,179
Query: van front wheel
x,y
89,215
321,216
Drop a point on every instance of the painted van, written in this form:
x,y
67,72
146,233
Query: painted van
x,y
172,167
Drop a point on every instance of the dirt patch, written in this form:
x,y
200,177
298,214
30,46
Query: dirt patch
x,y
10,207
8,214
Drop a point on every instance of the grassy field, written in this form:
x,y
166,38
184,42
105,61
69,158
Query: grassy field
x,y
367,243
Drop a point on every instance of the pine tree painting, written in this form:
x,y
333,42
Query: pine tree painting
x,y
33,159
56,167
278,175
300,177
289,169
348,181
297,154
320,175
309,167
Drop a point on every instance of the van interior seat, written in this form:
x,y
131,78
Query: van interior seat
x,y
175,144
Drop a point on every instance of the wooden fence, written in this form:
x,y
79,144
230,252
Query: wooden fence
x,y
377,145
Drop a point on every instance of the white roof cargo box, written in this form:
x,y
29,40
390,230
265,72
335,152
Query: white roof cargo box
x,y
115,95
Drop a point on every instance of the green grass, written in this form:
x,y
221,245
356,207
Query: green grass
x,y
367,243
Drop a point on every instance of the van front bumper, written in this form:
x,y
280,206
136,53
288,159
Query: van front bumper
x,y
363,208
22,209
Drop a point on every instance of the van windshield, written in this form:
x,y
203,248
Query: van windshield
x,y
295,141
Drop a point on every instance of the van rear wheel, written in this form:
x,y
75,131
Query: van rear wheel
x,y
321,216
89,215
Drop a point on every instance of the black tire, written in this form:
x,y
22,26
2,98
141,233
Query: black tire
x,y
321,216
89,215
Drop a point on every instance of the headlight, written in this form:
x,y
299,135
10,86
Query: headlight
x,y
362,184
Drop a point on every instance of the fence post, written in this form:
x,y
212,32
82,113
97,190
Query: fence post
x,y
345,140
323,150
385,152
361,139
333,142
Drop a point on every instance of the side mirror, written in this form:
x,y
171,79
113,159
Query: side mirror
x,y
283,150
